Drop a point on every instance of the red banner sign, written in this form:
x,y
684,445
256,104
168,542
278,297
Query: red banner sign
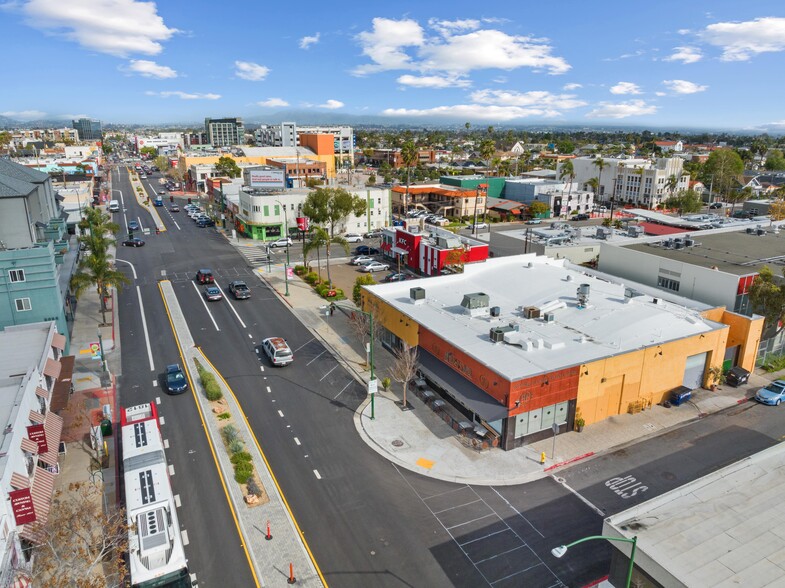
x,y
302,223
36,433
22,505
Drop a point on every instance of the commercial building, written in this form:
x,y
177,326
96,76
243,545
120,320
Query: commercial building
x,y
31,365
224,132
394,159
448,201
89,129
521,344
287,134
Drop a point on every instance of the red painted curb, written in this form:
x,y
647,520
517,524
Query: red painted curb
x,y
569,461
742,400
596,582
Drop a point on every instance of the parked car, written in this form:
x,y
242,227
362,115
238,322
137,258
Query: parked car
x,y
212,293
360,259
205,276
133,225
716,205
534,221
581,217
352,238
133,242
205,222
773,394
277,349
240,290
374,266
365,250
395,277
377,234
176,382
478,226
282,242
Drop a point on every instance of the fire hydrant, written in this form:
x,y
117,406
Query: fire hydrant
x,y
542,458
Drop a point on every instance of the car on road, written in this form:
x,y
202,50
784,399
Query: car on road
x,y
176,382
240,290
282,242
360,259
212,293
395,277
133,225
477,226
205,222
374,266
365,250
352,238
715,205
277,349
377,234
534,221
581,217
773,394
174,208
205,276
162,192
133,242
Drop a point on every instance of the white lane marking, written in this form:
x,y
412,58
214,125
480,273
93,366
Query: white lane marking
x,y
315,358
328,373
261,367
249,336
171,470
155,382
204,303
268,389
232,307
166,443
175,224
162,420
177,502
184,535
139,220
296,440
158,400
133,269
146,333
316,473
280,414
341,392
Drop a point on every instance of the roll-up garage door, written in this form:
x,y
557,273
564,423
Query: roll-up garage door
x,y
694,370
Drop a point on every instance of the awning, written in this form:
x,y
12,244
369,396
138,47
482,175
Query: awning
x,y
41,492
41,392
61,392
52,368
20,481
465,392
58,341
399,251
36,417
53,427
29,445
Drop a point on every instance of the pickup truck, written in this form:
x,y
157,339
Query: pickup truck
x,y
239,290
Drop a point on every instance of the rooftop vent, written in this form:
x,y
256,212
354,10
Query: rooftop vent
x,y
497,333
417,295
495,311
583,295
550,317
634,231
476,303
531,312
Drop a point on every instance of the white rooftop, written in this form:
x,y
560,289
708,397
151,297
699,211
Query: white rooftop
x,y
722,530
609,324
22,347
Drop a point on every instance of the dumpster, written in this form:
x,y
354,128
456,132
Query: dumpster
x,y
737,376
680,395
106,427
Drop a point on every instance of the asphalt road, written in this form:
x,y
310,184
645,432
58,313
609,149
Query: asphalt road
x,y
367,522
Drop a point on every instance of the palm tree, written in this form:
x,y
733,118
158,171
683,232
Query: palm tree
x,y
318,239
567,171
594,184
600,163
97,270
99,225
671,183
487,149
409,156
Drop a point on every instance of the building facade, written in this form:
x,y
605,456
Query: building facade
x,y
287,134
89,129
431,252
448,201
224,132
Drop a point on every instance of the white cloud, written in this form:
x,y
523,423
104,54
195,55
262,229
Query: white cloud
x,y
660,93
23,114
683,87
626,88
184,95
572,86
448,27
306,42
622,109
272,103
473,112
435,82
535,99
332,104
116,27
685,55
386,45
741,41
500,80
150,69
70,116
247,70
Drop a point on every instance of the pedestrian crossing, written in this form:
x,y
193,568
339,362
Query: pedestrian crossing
x,y
256,255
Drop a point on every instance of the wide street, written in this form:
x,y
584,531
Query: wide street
x,y
366,521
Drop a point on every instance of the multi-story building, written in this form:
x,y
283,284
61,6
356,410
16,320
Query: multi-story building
x,y
639,182
30,366
54,135
89,129
287,134
448,201
224,132
562,198
36,253
393,157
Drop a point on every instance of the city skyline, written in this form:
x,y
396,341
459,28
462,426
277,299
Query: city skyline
x,y
664,65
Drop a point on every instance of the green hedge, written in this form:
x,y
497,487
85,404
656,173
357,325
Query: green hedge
x,y
243,467
211,388
312,278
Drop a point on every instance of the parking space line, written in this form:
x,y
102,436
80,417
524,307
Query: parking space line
x,y
483,537
171,470
177,502
204,303
502,553
304,344
457,506
328,373
316,473
491,514
315,358
443,493
297,441
280,414
344,388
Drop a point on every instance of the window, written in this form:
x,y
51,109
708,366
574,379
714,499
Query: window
x,y
17,275
668,284
22,304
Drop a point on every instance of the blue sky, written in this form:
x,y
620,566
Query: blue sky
x,y
665,63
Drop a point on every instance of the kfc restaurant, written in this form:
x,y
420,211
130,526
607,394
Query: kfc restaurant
x,y
431,253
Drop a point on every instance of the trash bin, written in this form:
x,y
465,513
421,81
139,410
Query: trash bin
x,y
737,376
680,395
106,427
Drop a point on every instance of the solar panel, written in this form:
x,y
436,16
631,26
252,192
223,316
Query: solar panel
x,y
146,486
140,434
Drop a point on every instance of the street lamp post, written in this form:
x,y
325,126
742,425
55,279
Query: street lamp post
x,y
372,381
101,350
286,234
561,550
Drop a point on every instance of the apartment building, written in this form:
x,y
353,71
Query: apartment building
x,y
287,134
89,129
224,132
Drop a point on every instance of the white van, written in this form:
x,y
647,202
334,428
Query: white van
x,y
114,206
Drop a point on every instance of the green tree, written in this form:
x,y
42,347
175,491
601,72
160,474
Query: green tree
x,y
151,151
767,295
685,202
97,270
5,138
363,280
775,161
316,240
538,208
161,163
721,171
671,184
410,156
228,166
487,149
371,180
565,146
567,170
97,230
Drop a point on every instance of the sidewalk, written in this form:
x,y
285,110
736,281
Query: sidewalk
x,y
420,441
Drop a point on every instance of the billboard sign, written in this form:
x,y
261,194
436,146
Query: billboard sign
x,y
302,223
266,178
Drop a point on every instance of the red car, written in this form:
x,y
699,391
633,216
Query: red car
x,y
205,276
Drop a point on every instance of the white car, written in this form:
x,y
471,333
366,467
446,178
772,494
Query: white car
x,y
352,238
374,266
478,226
282,242
278,351
362,260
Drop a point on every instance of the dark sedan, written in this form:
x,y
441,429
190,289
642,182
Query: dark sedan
x,y
133,225
365,250
176,382
134,242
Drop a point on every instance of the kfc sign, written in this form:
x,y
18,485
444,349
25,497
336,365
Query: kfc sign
x,y
302,223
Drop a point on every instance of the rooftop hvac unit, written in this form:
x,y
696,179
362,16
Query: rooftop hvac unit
x,y
497,333
760,232
678,245
495,311
417,295
634,231
667,244
550,317
750,231
689,242
531,312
